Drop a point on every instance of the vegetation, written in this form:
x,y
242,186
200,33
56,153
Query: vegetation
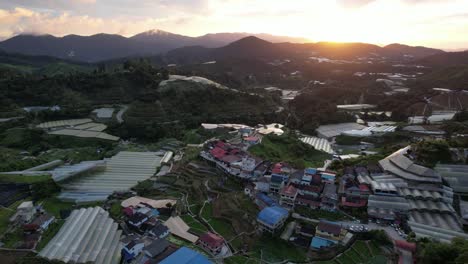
x,y
274,249
434,252
348,140
320,214
429,153
289,149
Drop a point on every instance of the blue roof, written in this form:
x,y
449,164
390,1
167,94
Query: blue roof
x,y
185,255
272,215
320,242
311,171
266,199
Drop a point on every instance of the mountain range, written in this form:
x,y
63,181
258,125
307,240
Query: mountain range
x,y
102,47
107,46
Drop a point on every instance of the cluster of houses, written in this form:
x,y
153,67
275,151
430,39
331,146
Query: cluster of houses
x,y
148,234
234,160
147,241
33,220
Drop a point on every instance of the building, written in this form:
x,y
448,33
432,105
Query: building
x,y
42,222
159,231
157,247
329,198
24,213
185,255
401,165
387,208
277,181
327,234
382,188
406,251
137,219
272,218
211,242
74,244
132,250
288,196
455,175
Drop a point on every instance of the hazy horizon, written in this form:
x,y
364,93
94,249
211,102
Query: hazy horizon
x,y
430,23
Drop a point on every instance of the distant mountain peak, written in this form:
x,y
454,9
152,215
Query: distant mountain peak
x,y
156,31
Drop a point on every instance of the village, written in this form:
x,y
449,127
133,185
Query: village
x,y
230,200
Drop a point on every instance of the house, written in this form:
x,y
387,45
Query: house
x,y
148,211
263,200
329,198
137,219
251,140
248,166
307,231
329,230
262,184
288,196
328,177
156,248
406,251
132,249
159,231
272,218
24,213
43,221
327,234
211,242
277,181
128,211
313,190
185,255
318,243
308,200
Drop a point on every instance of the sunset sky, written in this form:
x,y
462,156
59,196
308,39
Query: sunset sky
x,y
434,23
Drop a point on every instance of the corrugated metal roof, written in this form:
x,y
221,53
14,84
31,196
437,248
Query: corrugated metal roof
x,y
122,172
272,215
318,143
185,255
88,236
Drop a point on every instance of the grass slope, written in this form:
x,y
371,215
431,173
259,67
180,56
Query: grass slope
x,y
288,148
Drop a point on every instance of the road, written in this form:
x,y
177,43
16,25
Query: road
x,y
372,226
120,114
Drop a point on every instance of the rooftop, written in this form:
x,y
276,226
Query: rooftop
x,y
186,256
402,166
272,215
329,227
88,235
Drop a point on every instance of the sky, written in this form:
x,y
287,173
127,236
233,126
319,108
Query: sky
x,y
433,23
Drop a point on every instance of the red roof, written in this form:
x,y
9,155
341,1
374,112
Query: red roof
x,y
218,152
220,144
277,168
364,188
358,204
251,138
30,227
288,190
128,211
212,240
402,244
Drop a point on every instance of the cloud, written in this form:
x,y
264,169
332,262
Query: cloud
x,y
354,3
